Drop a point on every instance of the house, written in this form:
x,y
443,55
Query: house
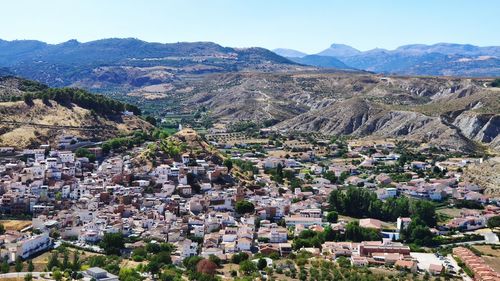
x,y
407,264
402,223
32,245
359,261
294,220
370,223
435,269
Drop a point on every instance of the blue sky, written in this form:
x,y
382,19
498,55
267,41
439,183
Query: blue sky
x,y
307,25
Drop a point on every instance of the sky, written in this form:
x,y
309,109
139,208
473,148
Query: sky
x,y
308,25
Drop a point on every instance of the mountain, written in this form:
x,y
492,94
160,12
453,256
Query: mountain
x,y
339,51
443,59
451,113
32,114
130,62
289,53
320,61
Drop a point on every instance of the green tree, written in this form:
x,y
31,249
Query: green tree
x,y
18,265
261,264
31,267
53,261
248,267
76,264
191,262
57,275
2,229
244,207
229,164
239,257
496,83
332,217
494,222
28,277
5,267
112,243
65,264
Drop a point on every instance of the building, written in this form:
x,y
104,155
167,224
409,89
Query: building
x,y
99,274
32,245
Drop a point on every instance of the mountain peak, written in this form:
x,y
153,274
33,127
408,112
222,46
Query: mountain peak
x,y
340,50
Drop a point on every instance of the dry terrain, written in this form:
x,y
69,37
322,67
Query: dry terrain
x,y
15,224
25,125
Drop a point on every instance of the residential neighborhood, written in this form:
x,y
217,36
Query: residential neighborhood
x,y
271,198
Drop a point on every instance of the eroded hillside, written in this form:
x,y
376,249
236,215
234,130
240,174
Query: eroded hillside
x,y
450,112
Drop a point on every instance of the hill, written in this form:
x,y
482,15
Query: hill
x,y
130,62
32,114
442,59
289,53
452,113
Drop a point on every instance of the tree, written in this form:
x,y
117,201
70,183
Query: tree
x,y
494,222
239,257
248,267
2,229
206,267
244,207
28,99
151,120
5,267
215,259
332,217
261,264
129,274
76,264
191,262
139,254
65,263
112,243
57,275
425,211
31,267
19,264
229,164
28,277
53,261
496,83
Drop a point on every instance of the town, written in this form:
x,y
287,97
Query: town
x,y
265,205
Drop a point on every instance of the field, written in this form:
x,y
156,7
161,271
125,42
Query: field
x,y
15,224
40,262
449,212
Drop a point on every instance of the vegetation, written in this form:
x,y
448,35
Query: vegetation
x,y
361,202
112,243
66,96
244,207
83,152
494,222
496,83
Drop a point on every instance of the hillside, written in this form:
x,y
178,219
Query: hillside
x,y
442,59
452,113
27,121
320,61
132,63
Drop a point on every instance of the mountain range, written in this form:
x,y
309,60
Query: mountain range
x,y
130,62
443,59
255,84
